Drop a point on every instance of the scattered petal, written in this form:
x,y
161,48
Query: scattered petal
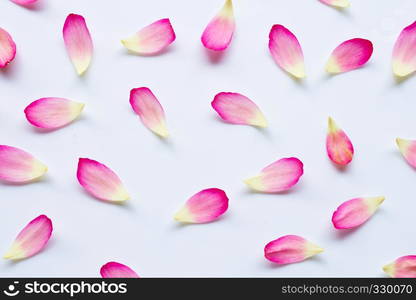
x,y
218,34
18,166
290,249
51,113
7,48
146,105
338,146
404,53
114,269
78,42
337,3
151,39
278,176
24,2
355,212
238,109
349,55
408,150
32,239
100,181
403,267
203,207
286,51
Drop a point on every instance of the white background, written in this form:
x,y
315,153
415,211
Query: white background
x,y
204,152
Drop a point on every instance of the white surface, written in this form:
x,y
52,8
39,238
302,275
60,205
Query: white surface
x,y
203,151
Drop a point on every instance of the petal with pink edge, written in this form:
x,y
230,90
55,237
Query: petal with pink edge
x,y
24,2
408,150
219,32
337,3
403,267
349,55
290,249
235,108
32,239
18,166
278,176
151,39
100,181
151,113
338,145
286,51
7,48
203,207
404,52
78,42
355,212
114,269
52,113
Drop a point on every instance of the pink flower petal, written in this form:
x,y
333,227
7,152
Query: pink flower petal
x,y
101,182
404,53
338,146
114,269
408,150
290,249
238,109
78,42
218,34
52,113
24,2
278,176
203,207
7,48
18,166
355,212
286,51
146,105
32,239
337,3
151,39
350,55
403,267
